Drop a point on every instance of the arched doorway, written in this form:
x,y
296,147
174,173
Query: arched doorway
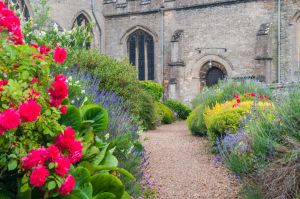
x,y
211,72
213,75
140,48
83,21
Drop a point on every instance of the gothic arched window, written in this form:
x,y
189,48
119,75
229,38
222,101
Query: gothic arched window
x,y
141,54
82,20
20,5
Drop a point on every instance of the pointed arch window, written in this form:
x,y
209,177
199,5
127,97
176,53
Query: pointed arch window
x,y
20,5
141,54
82,20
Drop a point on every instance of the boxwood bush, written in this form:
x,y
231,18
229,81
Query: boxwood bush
x,y
195,121
164,113
181,110
154,89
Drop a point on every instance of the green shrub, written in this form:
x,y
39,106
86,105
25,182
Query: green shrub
x,y
228,120
165,114
182,111
119,77
195,121
147,110
240,163
152,88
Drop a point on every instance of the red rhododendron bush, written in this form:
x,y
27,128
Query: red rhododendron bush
x,y
48,148
36,151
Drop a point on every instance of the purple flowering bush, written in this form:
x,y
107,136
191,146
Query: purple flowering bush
x,y
123,127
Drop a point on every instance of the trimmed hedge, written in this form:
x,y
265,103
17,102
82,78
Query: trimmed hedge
x,y
164,113
196,123
154,89
182,111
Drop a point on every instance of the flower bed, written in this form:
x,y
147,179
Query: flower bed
x,y
49,148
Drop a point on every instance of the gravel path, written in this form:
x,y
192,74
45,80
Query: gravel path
x,y
182,167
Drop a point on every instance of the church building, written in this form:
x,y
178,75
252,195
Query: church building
x,y
188,44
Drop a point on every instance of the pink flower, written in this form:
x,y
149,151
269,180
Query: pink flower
x,y
3,82
68,185
34,80
63,166
30,111
55,102
66,139
60,55
44,50
75,152
63,109
34,45
9,119
58,90
60,77
54,153
34,158
39,176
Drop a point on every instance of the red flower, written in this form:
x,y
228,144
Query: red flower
x,y
75,152
238,100
58,90
30,111
63,109
34,45
60,77
34,158
60,55
39,176
9,119
3,82
55,102
44,50
34,80
66,139
54,153
63,166
252,94
68,185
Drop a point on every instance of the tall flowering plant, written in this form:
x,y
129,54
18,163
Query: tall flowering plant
x,y
36,151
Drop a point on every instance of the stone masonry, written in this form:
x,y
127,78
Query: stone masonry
x,y
237,37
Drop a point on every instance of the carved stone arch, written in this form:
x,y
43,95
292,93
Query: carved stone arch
x,y
203,64
24,4
82,12
125,36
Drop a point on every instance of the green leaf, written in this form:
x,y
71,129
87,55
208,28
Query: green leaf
x,y
82,176
91,152
100,157
12,164
97,114
71,118
110,160
51,165
126,196
51,185
105,196
107,183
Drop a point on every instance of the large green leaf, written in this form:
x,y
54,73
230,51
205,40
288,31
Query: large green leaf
x,y
107,183
100,157
82,176
105,196
96,116
126,196
71,118
110,160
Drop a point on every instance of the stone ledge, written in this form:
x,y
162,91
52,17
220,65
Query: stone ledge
x,y
179,63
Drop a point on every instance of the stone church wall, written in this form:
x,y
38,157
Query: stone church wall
x,y
189,35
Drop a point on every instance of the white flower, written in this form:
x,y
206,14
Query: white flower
x,y
55,26
83,91
77,82
106,136
72,101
